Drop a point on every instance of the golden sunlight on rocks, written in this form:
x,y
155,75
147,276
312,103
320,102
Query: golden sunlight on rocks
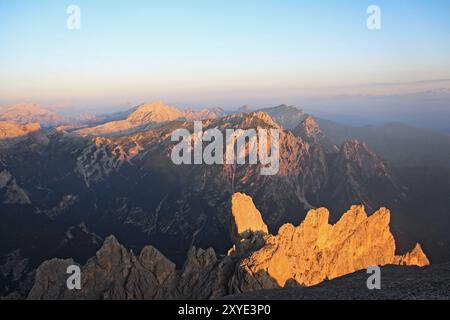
x,y
316,250
245,218
14,130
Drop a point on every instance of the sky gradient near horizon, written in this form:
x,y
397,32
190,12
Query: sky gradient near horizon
x,y
189,50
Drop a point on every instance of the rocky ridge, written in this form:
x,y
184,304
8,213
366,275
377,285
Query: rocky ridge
x,y
287,116
10,191
149,115
298,256
131,182
317,251
26,113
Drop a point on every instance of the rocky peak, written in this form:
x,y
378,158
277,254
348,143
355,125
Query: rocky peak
x,y
352,148
149,116
316,251
286,116
264,117
306,255
310,127
416,258
251,120
357,153
309,130
111,249
154,112
153,260
204,114
245,218
159,112
116,273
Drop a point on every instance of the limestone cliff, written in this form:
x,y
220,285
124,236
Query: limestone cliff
x,y
305,255
115,273
316,251
245,218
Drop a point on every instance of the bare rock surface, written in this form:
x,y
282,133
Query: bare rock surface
x,y
298,256
246,218
117,274
149,115
10,191
316,251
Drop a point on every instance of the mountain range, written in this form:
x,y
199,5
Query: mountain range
x,y
302,256
66,187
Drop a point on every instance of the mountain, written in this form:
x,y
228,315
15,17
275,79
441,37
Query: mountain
x,y
245,109
246,218
401,145
29,113
417,162
9,130
138,118
310,131
147,116
358,173
288,117
127,185
116,273
315,251
32,113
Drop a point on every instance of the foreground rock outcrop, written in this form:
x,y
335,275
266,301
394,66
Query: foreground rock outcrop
x,y
115,273
245,218
305,255
316,251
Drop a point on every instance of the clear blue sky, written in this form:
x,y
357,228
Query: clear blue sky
x,y
186,49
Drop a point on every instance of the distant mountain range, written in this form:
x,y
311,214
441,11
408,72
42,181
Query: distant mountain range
x,y
9,130
32,113
147,116
401,145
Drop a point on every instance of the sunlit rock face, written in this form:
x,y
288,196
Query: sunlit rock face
x,y
316,251
10,130
149,115
245,218
414,258
298,256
